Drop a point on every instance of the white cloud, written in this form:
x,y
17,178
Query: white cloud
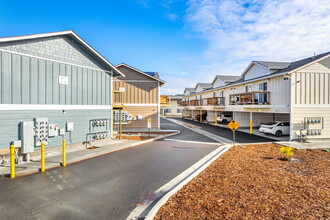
x,y
172,17
239,31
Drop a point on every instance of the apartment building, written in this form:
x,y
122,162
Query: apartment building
x,y
170,105
138,94
272,91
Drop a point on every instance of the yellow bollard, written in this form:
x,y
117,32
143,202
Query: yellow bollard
x,y
12,161
42,157
251,127
64,153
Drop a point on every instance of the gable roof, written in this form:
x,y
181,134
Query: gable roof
x,y
226,78
153,76
74,36
301,63
190,90
273,65
203,85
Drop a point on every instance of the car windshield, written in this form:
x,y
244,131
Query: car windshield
x,y
271,123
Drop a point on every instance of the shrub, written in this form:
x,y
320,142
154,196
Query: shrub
x,y
287,152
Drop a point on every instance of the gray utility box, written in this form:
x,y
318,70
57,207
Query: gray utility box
x,y
27,136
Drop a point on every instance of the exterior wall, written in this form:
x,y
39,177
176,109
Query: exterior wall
x,y
145,111
298,115
28,80
60,48
218,82
174,106
137,92
10,122
255,71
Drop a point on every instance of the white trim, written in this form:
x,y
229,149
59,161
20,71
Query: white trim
x,y
57,61
60,33
139,104
20,107
136,70
146,81
311,106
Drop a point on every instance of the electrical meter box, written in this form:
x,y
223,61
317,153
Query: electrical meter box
x,y
41,131
61,132
69,126
52,130
26,135
124,117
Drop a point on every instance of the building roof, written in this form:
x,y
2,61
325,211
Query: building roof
x,y
190,90
154,76
301,63
273,65
204,85
226,78
175,97
73,35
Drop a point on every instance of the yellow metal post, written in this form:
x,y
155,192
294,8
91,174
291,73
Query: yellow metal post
x,y
200,116
42,157
215,118
64,153
120,126
12,161
251,123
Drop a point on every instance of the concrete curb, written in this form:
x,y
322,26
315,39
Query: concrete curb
x,y
149,208
92,155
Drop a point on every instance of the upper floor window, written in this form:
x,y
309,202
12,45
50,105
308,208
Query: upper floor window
x,y
248,88
263,87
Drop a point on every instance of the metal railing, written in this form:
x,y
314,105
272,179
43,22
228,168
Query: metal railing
x,y
250,98
215,101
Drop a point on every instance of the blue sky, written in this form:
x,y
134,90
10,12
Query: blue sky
x,y
185,41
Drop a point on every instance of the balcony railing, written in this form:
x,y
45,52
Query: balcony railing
x,y
215,101
250,98
184,103
195,102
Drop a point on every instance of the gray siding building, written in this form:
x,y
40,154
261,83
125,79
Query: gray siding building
x,y
53,75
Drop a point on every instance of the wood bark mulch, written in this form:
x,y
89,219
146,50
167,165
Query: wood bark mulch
x,y
252,182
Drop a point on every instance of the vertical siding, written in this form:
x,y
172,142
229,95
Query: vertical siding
x,y
27,80
311,88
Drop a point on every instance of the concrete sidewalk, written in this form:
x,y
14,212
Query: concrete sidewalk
x,y
324,144
54,159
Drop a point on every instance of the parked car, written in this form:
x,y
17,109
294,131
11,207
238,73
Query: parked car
x,y
224,118
198,117
277,128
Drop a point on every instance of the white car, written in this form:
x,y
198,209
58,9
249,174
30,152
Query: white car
x,y
277,128
224,118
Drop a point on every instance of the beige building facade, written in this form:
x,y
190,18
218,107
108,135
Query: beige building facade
x,y
272,91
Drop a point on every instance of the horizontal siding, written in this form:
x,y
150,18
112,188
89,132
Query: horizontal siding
x,y
145,111
26,80
298,115
10,121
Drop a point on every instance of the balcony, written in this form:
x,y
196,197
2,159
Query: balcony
x,y
184,103
195,103
215,101
250,98
118,99
165,100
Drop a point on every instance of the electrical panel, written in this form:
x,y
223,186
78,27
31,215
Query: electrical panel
x,y
69,126
100,135
100,122
27,136
41,131
61,132
52,130
124,117
313,132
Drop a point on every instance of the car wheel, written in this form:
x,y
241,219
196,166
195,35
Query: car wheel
x,y
224,121
278,133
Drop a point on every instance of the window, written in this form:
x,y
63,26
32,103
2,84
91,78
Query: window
x,y
263,88
179,111
167,111
248,88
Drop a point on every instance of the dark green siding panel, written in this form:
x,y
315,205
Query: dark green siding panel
x,y
34,81
95,86
42,81
62,87
99,87
25,80
107,89
90,87
68,94
16,80
11,119
49,82
56,87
